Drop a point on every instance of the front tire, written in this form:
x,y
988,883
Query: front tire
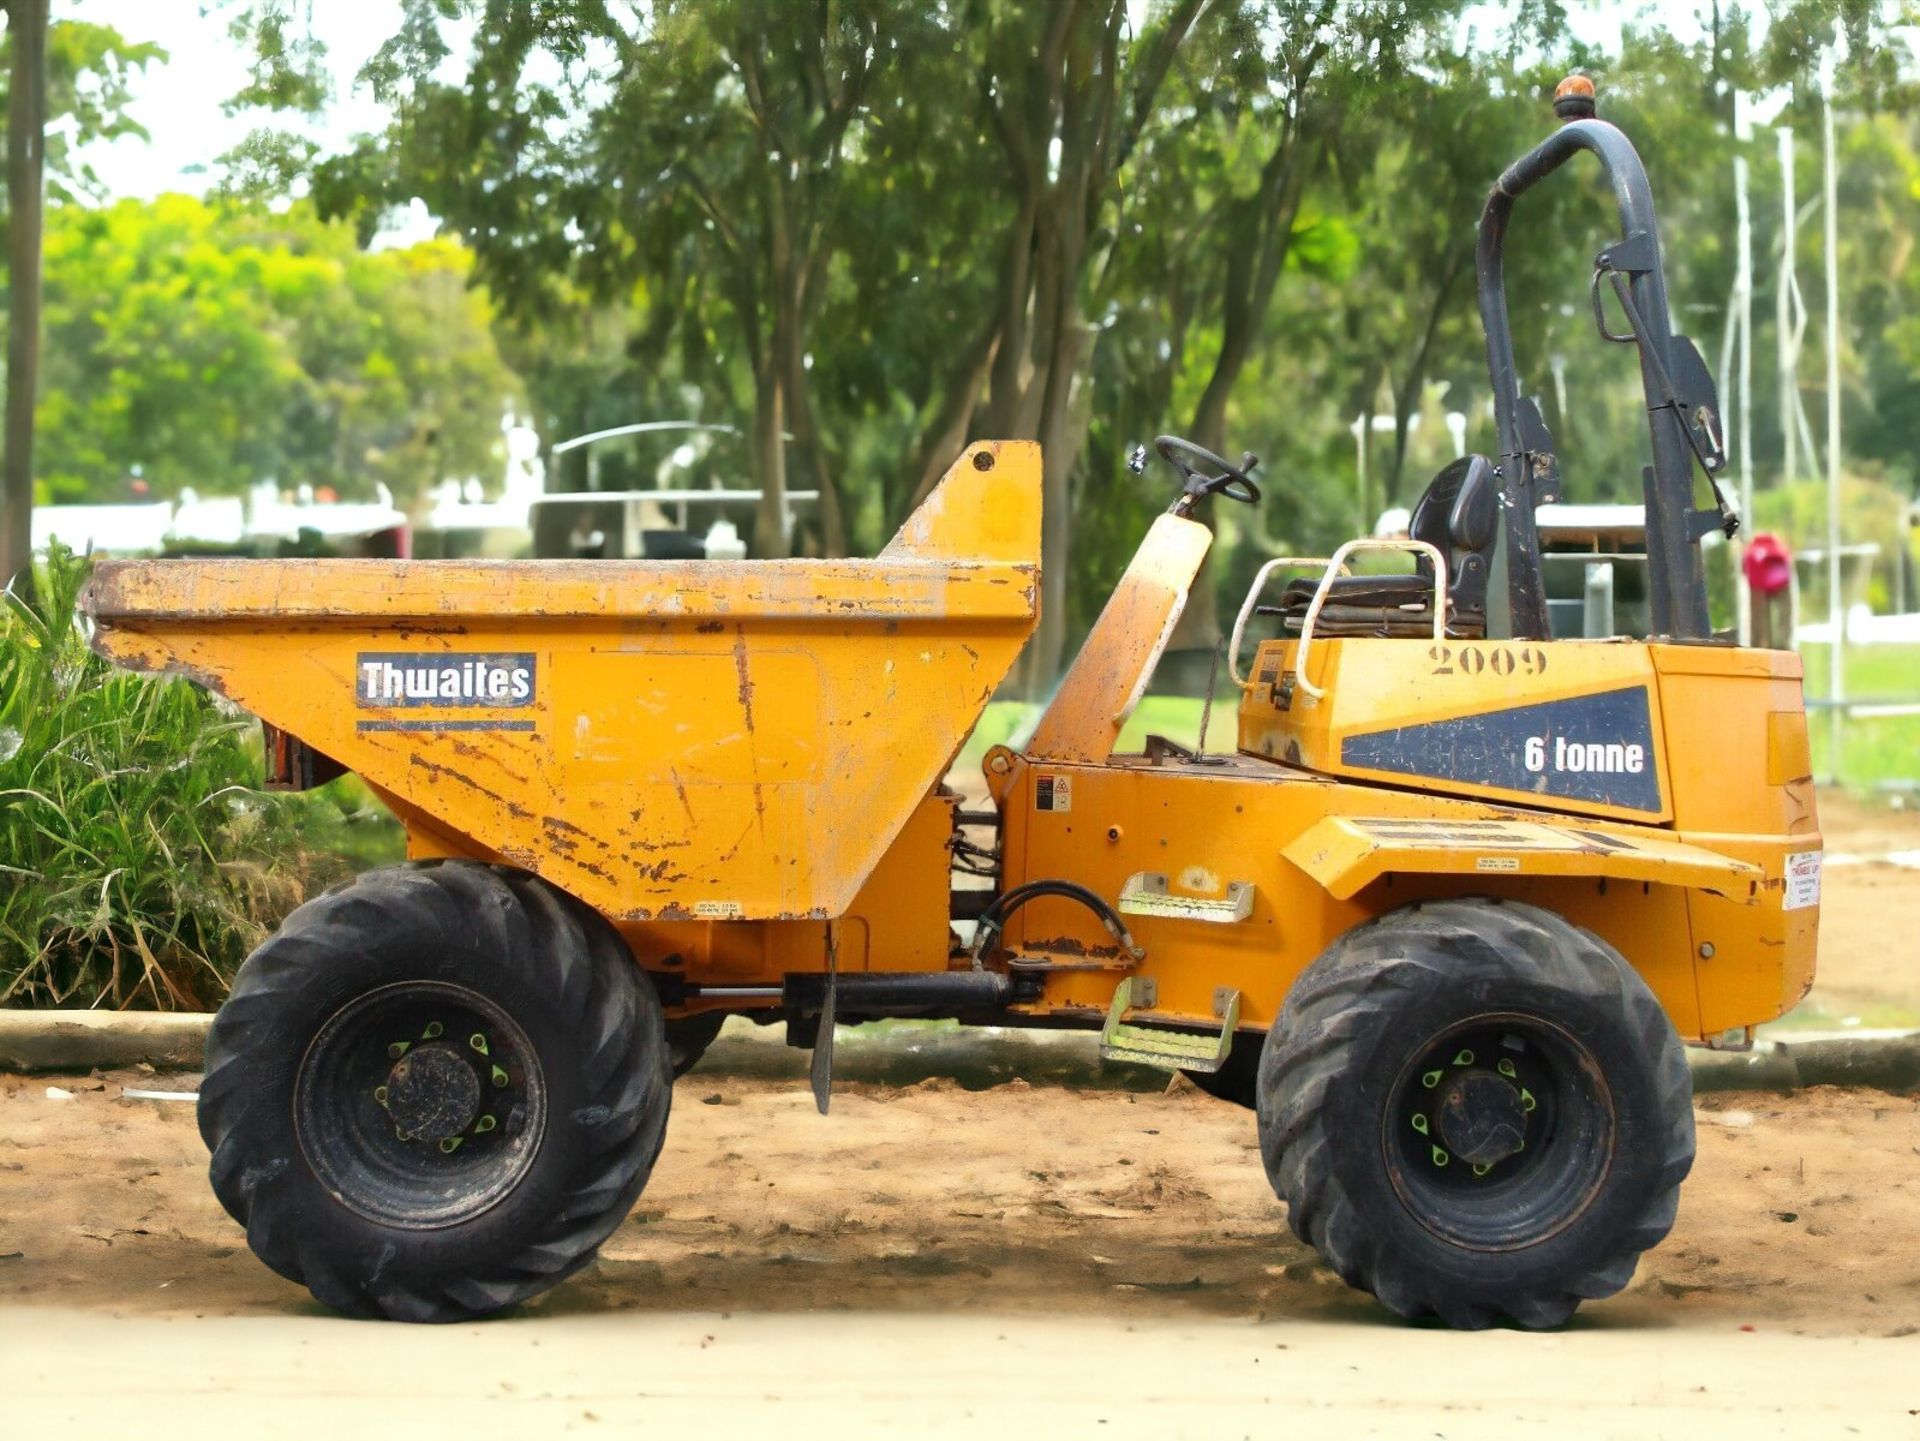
x,y
1477,1111
435,1091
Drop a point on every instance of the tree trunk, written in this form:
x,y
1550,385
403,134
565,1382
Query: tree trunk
x,y
769,463
946,432
26,138
1407,393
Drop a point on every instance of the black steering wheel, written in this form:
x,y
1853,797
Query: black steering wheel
x,y
1202,473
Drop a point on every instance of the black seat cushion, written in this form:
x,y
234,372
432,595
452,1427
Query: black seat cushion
x,y
1458,515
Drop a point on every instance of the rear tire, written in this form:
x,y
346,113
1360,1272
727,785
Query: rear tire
x,y
688,1038
1477,1111
435,1091
1238,1079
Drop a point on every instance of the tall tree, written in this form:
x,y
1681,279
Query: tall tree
x,y
26,144
73,70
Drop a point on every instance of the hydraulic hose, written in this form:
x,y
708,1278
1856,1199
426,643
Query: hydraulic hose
x,y
993,920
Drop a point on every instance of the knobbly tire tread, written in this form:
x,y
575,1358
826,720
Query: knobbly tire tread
x,y
604,1056
688,1038
1348,996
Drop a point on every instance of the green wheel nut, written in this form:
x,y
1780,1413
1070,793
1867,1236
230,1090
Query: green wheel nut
x,y
380,1094
484,1125
1527,1102
433,1032
399,1049
1440,1157
450,1145
1431,1079
1420,1123
1480,1168
1505,1068
499,1075
1465,1058
478,1042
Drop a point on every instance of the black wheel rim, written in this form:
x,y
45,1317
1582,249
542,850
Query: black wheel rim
x,y
420,1104
1498,1132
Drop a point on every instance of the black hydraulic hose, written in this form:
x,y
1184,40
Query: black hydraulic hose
x,y
993,920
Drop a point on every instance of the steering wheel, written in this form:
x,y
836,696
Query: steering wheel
x,y
1202,473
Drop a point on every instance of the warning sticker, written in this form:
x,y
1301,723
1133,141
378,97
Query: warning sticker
x,y
1803,881
1497,863
1053,793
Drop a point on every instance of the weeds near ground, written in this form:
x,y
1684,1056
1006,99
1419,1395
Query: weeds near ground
x,y
138,864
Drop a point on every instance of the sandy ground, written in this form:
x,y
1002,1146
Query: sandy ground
x,y
1869,966
930,1260
1803,1213
1091,1255
909,1377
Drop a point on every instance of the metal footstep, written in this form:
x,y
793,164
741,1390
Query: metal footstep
x,y
1146,894
1158,1046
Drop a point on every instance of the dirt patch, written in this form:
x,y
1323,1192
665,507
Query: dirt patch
x,y
1803,1212
1868,970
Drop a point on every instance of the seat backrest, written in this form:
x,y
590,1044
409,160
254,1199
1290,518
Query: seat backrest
x,y
1459,516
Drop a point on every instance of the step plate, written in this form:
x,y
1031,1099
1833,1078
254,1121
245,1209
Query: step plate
x,y
1146,894
1159,1046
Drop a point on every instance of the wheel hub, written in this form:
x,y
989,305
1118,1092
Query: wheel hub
x,y
433,1092
1482,1119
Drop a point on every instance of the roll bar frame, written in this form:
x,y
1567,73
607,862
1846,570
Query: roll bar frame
x,y
1677,585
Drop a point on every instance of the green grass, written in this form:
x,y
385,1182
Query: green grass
x,y
1874,751
139,863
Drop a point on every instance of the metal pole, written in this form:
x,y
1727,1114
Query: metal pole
x,y
1737,389
1836,655
1783,311
1743,433
1360,428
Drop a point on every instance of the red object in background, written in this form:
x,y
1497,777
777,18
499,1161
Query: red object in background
x,y
1768,564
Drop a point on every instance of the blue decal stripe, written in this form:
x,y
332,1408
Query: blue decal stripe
x,y
1595,748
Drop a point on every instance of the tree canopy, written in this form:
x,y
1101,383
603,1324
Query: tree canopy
x,y
863,231
215,344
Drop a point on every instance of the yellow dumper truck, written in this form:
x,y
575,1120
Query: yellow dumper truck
x,y
1444,918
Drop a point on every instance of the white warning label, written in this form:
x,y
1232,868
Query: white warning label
x,y
1803,881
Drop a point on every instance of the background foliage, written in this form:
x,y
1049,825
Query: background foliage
x,y
137,864
215,344
886,226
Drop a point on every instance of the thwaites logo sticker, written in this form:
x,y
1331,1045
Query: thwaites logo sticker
x,y
462,680
1595,748
1053,793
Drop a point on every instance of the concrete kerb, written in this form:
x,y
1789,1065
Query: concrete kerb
x,y
80,1041
101,1040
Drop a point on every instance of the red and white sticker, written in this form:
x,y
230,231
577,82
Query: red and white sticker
x,y
1053,793
1803,881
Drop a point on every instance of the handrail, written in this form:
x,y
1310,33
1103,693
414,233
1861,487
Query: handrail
x,y
1334,565
1246,608
1418,547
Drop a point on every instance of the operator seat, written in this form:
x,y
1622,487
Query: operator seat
x,y
1459,516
